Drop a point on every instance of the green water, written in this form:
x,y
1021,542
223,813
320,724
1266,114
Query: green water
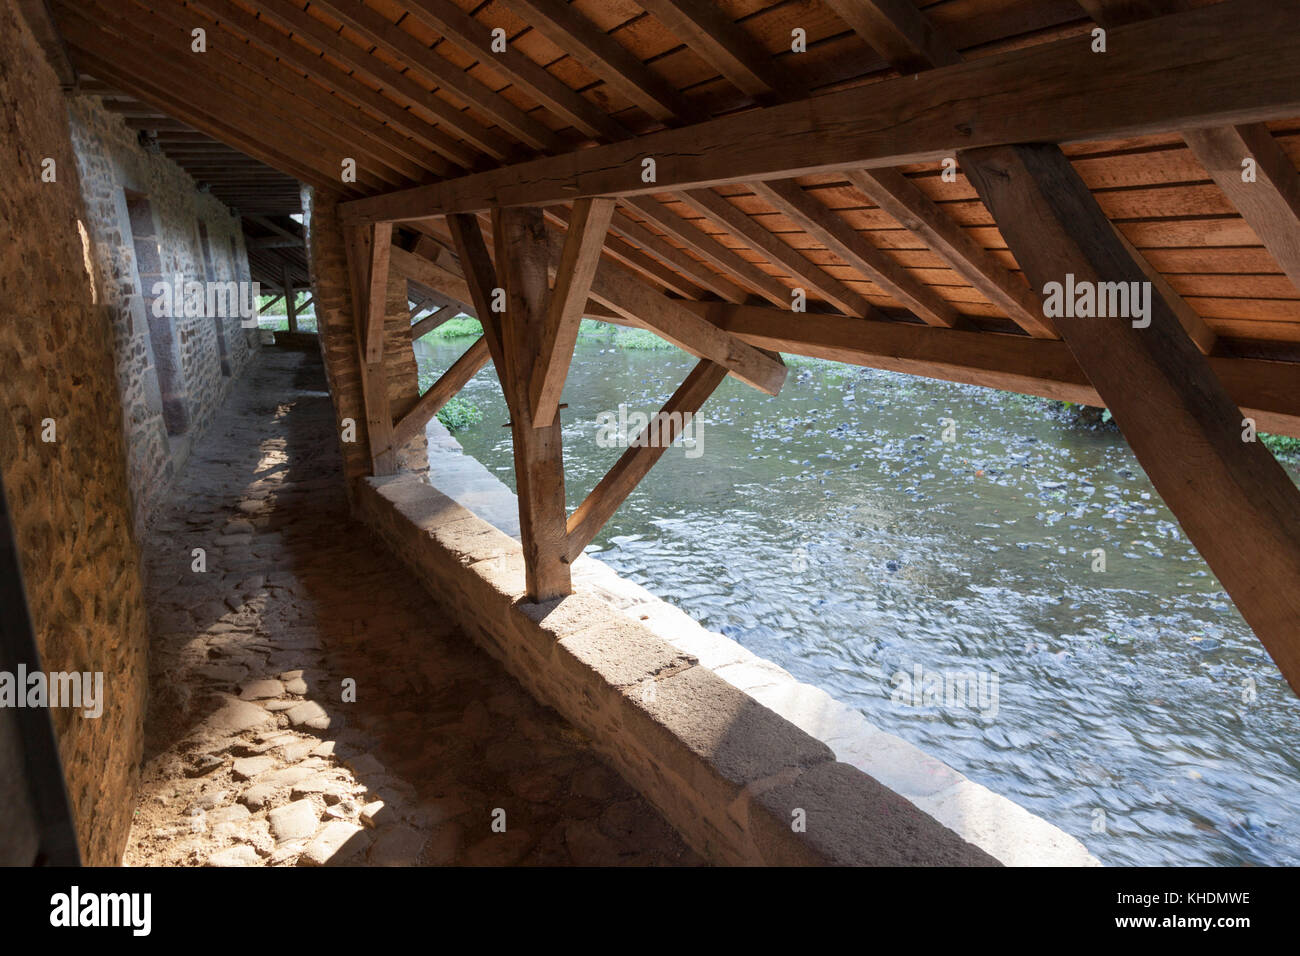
x,y
835,531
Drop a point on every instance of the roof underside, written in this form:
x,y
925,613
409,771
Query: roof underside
x,y
413,91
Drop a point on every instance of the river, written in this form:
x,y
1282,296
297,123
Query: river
x,y
865,529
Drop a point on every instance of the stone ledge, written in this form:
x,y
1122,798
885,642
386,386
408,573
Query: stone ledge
x,y
725,770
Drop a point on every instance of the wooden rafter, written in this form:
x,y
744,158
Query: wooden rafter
x,y
702,275
437,69
1236,61
806,273
895,193
898,31
716,37
474,38
378,72
442,153
564,26
224,93
1270,201
846,242
709,249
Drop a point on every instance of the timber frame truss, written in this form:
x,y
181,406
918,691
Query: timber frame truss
x,y
799,210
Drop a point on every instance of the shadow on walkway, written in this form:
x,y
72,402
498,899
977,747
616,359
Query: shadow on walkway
x,y
308,705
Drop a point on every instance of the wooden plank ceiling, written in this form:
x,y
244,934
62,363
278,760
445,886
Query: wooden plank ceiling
x,y
415,93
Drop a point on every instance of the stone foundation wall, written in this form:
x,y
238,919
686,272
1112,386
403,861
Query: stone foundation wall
x,y
71,507
742,784
147,223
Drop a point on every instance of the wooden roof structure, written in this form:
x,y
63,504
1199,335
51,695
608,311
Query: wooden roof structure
x,y
887,182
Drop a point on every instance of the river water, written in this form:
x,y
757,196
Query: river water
x,y
888,538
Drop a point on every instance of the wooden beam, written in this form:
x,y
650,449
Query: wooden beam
x,y
202,112
387,77
1234,62
603,55
642,453
523,257
270,242
1264,390
805,272
895,194
435,68
830,229
697,272
1270,204
228,95
724,44
1201,334
672,320
578,260
1113,13
480,277
289,298
270,302
475,38
433,276
898,31
431,321
440,392
374,376
1234,501
631,255
261,36
381,244
708,248
169,28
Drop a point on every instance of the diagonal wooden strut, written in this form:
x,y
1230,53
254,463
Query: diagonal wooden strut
x,y
441,392
578,260
1235,502
643,451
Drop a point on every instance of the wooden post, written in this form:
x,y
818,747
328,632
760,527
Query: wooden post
x,y
522,258
289,305
1232,498
374,377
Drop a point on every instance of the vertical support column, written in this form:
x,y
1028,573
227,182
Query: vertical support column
x,y
522,258
359,241
289,304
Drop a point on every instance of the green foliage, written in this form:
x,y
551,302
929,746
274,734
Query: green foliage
x,y
458,328
458,414
1281,445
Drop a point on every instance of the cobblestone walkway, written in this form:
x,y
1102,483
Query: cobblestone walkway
x,y
254,753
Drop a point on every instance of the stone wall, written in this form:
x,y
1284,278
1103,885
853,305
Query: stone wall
x,y
69,497
332,293
742,784
148,222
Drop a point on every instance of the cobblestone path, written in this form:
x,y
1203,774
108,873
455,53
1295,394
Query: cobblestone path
x,y
255,755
